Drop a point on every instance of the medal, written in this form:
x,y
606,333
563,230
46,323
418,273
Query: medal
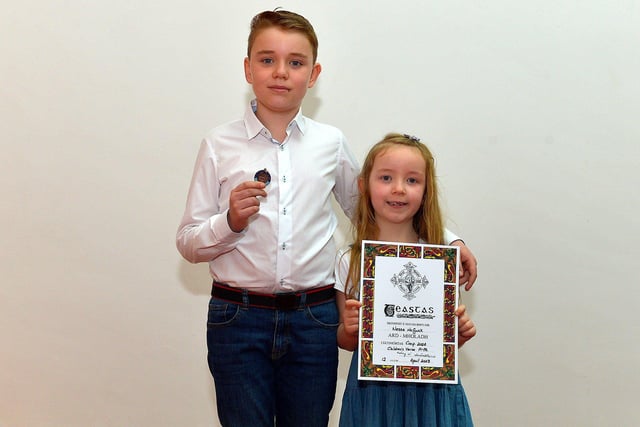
x,y
263,176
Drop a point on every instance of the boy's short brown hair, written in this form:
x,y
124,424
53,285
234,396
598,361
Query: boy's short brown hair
x,y
288,21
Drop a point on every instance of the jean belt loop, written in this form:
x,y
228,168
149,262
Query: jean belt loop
x,y
245,299
303,300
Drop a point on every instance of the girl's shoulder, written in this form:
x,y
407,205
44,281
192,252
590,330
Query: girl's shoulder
x,y
343,257
344,250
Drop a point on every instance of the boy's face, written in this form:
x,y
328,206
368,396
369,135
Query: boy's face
x,y
280,69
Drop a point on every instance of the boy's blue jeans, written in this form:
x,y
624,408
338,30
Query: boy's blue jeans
x,y
273,365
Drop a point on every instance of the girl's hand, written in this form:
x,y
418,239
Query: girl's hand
x,y
350,316
348,327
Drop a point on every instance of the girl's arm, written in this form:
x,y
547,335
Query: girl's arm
x,y
349,318
466,327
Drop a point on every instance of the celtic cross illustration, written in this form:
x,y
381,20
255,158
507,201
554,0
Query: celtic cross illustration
x,y
409,281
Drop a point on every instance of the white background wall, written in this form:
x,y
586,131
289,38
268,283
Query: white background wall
x,y
532,109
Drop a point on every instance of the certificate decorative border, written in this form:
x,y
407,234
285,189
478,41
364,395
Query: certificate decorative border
x,y
448,373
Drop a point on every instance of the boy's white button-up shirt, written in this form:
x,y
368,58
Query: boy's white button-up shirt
x,y
288,245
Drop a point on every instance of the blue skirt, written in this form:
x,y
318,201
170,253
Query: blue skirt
x,y
400,404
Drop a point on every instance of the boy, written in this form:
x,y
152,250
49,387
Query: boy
x,y
259,212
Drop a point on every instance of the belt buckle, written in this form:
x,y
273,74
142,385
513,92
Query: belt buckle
x,y
287,301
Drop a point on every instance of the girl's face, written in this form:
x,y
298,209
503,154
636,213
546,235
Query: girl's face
x,y
280,69
397,184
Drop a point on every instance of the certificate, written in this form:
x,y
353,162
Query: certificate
x,y
408,327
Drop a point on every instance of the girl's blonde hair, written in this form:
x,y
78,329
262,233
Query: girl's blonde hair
x,y
427,222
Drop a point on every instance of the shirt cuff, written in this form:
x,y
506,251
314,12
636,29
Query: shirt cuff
x,y
221,231
450,237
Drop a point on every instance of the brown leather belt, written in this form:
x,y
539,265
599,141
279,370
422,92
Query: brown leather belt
x,y
279,301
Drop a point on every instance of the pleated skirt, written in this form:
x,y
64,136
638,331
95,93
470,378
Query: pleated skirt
x,y
402,404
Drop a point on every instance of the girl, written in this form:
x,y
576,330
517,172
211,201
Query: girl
x,y
398,202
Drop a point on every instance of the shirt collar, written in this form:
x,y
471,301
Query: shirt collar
x,y
254,127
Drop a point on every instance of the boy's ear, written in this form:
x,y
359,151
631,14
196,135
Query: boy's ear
x,y
315,72
247,71
360,185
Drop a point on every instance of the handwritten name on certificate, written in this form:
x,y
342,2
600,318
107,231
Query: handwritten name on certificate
x,y
408,327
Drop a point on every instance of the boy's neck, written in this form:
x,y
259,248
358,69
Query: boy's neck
x,y
276,123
